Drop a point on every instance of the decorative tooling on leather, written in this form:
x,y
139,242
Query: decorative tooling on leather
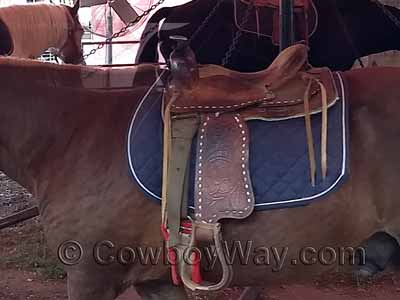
x,y
222,183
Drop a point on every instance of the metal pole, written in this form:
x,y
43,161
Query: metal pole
x,y
109,33
286,24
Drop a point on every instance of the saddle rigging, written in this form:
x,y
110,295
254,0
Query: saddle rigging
x,y
214,103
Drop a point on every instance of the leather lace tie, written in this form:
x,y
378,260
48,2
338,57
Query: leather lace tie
x,y
324,130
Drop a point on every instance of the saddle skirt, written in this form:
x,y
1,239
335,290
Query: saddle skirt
x,y
278,152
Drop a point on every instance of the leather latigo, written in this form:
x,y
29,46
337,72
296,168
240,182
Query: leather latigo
x,y
222,183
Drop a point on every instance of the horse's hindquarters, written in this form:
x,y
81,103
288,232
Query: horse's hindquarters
x,y
6,44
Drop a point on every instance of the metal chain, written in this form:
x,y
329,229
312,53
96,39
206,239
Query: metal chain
x,y
123,29
238,35
388,13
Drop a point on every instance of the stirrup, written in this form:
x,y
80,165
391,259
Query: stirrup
x,y
209,232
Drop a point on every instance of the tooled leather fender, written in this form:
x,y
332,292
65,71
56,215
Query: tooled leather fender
x,y
222,182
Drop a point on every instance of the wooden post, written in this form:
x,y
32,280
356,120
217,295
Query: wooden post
x,y
19,217
286,24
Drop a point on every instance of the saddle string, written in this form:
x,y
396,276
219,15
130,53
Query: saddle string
x,y
324,130
310,139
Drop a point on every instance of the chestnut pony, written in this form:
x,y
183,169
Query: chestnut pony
x,y
27,31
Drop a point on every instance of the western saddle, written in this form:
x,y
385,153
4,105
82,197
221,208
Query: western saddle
x,y
267,22
214,103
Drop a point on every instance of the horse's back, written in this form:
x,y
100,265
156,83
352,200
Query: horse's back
x,y
76,76
373,86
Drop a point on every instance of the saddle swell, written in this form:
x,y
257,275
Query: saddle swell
x,y
215,103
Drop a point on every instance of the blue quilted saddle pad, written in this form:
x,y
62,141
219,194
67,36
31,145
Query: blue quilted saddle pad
x,y
279,164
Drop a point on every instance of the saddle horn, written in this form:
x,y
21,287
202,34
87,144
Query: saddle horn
x,y
183,64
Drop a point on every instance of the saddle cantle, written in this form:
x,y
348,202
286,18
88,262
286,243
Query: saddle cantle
x,y
264,18
213,105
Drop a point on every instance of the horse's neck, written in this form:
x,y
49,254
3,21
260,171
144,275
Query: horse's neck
x,y
36,28
66,121
36,125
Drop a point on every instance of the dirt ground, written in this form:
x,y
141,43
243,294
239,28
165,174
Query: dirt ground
x,y
29,272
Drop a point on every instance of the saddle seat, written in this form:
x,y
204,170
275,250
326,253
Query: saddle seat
x,y
277,92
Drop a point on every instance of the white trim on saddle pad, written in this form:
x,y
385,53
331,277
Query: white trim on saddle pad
x,y
130,134
263,205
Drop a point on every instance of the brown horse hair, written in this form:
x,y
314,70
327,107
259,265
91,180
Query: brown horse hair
x,y
33,28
